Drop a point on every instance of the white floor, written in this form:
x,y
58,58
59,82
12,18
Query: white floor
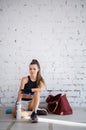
x,y
76,121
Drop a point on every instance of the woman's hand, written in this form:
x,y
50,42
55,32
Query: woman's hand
x,y
26,90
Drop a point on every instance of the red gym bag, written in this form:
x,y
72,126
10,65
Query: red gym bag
x,y
58,104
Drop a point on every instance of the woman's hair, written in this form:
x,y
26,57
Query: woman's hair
x,y
39,76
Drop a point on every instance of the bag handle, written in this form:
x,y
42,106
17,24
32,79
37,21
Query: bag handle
x,y
55,107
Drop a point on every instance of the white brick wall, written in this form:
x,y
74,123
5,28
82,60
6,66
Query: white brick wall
x,y
54,32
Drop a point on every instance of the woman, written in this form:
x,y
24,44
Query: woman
x,y
29,92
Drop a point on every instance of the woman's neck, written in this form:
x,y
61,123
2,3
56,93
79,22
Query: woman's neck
x,y
33,78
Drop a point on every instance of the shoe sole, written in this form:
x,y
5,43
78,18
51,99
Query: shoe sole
x,y
34,121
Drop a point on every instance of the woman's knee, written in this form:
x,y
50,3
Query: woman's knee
x,y
37,94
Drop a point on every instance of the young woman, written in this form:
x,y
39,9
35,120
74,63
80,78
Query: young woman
x,y
29,92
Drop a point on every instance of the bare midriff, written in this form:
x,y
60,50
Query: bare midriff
x,y
27,96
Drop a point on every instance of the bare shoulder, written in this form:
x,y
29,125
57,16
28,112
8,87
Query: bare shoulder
x,y
41,84
24,79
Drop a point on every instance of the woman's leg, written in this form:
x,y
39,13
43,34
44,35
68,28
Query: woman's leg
x,y
14,112
33,105
24,109
23,113
26,113
35,102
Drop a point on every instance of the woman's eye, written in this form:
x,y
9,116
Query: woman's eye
x,y
33,69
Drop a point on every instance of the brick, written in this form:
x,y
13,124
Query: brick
x,y
55,34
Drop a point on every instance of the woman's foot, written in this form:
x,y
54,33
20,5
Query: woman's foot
x,y
33,117
26,113
41,111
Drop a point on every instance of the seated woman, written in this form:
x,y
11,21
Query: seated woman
x,y
29,92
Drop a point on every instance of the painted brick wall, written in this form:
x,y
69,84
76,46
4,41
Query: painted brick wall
x,y
54,32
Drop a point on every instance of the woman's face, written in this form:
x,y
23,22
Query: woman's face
x,y
33,69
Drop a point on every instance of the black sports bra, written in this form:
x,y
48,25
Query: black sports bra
x,y
30,84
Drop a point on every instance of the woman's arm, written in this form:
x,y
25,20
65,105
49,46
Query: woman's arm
x,y
39,89
22,84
